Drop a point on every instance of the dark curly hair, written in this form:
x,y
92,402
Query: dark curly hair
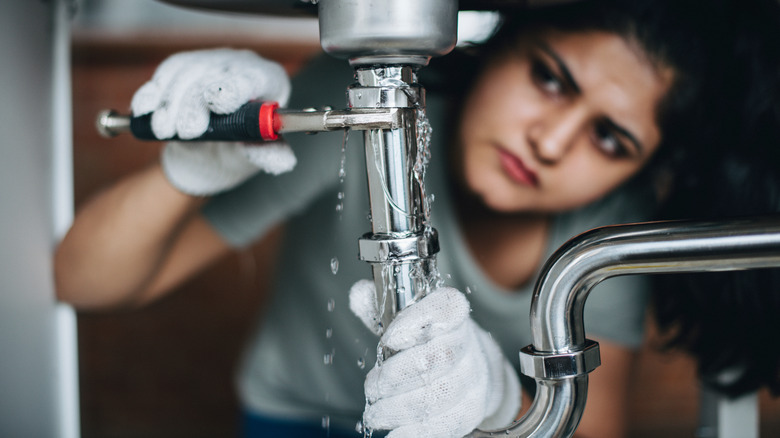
x,y
728,321
719,155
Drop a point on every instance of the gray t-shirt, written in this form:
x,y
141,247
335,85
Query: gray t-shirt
x,y
309,355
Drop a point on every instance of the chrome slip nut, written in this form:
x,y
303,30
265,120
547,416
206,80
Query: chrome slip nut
x,y
540,365
380,248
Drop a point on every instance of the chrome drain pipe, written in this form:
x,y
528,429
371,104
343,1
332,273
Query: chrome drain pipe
x,y
401,247
387,42
561,357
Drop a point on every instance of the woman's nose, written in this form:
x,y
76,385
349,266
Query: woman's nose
x,y
553,134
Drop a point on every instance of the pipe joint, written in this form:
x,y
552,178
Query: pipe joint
x,y
550,366
377,248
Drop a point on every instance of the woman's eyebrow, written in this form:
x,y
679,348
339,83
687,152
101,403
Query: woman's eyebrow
x,y
625,133
572,83
564,70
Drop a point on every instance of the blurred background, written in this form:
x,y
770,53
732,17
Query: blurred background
x,y
166,370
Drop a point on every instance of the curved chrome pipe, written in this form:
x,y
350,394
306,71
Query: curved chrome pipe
x,y
557,323
649,248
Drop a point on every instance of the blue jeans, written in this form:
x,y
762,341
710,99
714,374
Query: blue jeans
x,y
258,426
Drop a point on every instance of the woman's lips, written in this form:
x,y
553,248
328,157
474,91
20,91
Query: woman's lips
x,y
516,170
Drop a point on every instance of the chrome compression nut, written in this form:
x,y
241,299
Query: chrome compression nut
x,y
550,366
379,248
386,97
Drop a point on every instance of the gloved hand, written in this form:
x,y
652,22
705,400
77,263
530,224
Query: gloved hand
x,y
447,376
182,93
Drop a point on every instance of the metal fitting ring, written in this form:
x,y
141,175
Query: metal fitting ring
x,y
549,366
378,248
386,97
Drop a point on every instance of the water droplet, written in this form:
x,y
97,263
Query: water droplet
x,y
361,363
468,290
340,206
397,269
327,359
340,195
343,163
359,427
329,333
325,422
334,265
331,305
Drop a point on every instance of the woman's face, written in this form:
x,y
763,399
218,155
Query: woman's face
x,y
560,121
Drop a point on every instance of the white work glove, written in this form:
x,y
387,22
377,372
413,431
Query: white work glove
x,y
182,93
447,376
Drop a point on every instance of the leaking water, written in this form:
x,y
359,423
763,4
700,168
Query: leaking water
x,y
331,304
327,359
424,131
340,204
328,333
422,277
342,172
343,163
334,265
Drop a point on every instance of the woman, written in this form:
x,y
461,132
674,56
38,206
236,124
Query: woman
x,y
570,117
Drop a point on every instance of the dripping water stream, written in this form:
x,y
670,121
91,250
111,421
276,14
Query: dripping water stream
x,y
423,272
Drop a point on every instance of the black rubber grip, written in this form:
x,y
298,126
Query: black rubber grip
x,y
242,125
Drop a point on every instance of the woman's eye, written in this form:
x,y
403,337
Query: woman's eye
x,y
545,79
608,143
